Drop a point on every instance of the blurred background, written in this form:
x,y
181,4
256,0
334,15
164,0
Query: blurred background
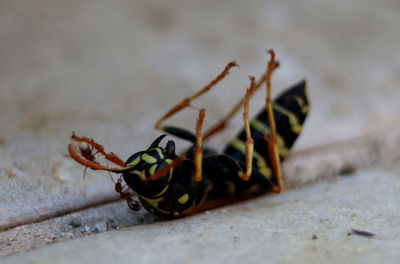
x,y
110,69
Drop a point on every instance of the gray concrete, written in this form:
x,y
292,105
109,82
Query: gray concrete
x,y
109,69
275,229
302,168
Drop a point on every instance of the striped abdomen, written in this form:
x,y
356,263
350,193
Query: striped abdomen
x,y
290,110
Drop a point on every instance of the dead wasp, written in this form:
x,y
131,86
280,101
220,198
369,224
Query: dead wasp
x,y
199,179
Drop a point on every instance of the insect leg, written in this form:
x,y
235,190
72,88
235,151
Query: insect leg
x,y
125,194
198,155
198,152
182,133
272,138
249,145
85,157
220,125
185,134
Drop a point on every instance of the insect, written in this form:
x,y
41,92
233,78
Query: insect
x,y
172,185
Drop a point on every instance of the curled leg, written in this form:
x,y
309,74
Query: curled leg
x,y
87,156
186,102
272,138
249,145
221,124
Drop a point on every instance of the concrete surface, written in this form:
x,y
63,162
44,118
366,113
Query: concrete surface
x,y
307,225
303,167
109,70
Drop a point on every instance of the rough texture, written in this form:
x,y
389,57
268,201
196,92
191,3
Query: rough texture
x,y
303,167
109,70
308,225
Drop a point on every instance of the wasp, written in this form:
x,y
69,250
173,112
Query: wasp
x,y
174,185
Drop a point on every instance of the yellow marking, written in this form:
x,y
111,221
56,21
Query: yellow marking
x,y
293,120
266,171
283,151
304,107
153,169
183,199
162,191
169,161
176,213
154,203
230,187
166,186
260,161
149,159
141,174
134,162
261,127
137,172
159,151
299,100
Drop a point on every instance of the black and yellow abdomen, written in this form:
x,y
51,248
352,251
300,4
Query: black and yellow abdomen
x,y
290,110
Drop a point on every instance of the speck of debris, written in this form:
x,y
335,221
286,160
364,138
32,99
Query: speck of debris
x,y
362,233
111,225
10,173
347,169
95,230
314,237
76,222
20,165
85,229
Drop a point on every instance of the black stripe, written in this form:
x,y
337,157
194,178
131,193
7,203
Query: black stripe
x,y
288,100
